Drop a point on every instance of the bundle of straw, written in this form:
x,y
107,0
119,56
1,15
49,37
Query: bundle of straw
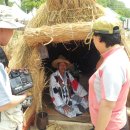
x,y
63,11
57,33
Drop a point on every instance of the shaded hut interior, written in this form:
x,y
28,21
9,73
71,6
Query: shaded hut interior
x,y
83,57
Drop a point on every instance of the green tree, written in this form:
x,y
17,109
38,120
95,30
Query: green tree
x,y
28,5
117,6
103,2
5,2
1,2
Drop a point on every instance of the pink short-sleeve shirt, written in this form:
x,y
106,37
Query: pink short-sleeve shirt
x,y
110,82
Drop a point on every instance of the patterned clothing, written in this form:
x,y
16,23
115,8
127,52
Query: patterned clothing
x,y
111,82
67,91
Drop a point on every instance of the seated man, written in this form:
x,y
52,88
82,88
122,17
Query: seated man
x,y
68,96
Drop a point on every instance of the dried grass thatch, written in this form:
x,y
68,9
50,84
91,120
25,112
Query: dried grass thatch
x,y
57,33
28,57
65,125
66,11
53,12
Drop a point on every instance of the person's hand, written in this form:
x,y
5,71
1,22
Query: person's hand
x,y
7,69
66,108
26,93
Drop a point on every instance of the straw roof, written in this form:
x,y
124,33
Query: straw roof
x,y
66,11
59,21
53,18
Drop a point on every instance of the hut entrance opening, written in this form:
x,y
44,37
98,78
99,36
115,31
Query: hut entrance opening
x,y
83,57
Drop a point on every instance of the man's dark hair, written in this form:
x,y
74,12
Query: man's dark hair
x,y
3,58
110,39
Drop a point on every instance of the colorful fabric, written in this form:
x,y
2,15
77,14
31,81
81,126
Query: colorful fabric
x,y
62,95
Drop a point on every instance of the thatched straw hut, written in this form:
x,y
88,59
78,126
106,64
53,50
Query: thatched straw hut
x,y
62,26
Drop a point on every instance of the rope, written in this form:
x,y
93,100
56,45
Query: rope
x,y
89,37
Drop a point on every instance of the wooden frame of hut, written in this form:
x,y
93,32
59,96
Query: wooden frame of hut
x,y
56,21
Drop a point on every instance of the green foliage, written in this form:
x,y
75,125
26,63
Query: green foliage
x,y
28,5
117,6
2,2
125,12
103,2
5,2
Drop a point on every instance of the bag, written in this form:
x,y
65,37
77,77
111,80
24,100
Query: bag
x,y
20,81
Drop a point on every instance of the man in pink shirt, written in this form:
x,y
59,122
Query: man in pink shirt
x,y
109,85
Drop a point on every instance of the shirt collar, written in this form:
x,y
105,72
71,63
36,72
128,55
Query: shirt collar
x,y
111,51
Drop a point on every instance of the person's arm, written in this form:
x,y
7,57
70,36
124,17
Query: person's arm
x,y
104,115
77,87
15,100
111,82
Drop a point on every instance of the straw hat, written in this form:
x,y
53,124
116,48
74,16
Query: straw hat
x,y
60,59
7,19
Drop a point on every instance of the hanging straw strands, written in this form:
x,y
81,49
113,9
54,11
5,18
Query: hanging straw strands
x,y
29,57
57,33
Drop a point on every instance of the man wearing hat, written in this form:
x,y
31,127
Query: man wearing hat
x,y
68,96
11,116
109,85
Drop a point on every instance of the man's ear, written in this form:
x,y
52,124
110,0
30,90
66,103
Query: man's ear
x,y
99,39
